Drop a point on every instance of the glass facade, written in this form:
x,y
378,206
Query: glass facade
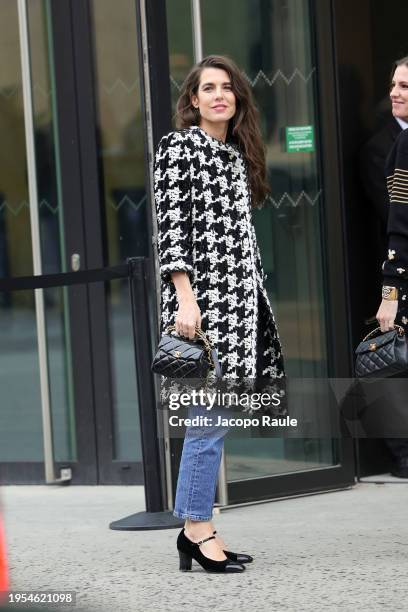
x,y
20,416
273,42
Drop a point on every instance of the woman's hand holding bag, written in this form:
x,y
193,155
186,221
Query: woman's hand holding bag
x,y
188,316
386,314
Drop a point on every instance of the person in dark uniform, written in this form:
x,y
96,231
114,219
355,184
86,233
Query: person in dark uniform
x,y
372,164
390,198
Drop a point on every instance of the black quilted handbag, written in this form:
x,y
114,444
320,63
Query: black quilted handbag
x,y
383,355
178,357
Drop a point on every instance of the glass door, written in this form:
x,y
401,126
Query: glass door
x,y
21,431
120,152
98,96
89,164
274,44
121,155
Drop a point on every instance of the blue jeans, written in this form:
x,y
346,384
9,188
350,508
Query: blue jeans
x,y
199,465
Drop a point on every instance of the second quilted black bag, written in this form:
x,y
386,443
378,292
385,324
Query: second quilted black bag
x,y
382,354
178,357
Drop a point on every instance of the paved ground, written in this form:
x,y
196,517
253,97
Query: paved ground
x,y
339,551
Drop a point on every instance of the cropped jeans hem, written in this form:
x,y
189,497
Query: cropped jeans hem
x,y
192,517
199,466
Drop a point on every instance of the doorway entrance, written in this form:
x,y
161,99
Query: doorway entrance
x,y
284,49
93,133
89,170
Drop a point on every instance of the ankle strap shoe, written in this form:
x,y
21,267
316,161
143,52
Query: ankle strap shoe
x,y
189,550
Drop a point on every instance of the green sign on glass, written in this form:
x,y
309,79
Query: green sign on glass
x,y
299,139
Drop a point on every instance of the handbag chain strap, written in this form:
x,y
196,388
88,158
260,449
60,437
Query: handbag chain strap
x,y
399,329
198,332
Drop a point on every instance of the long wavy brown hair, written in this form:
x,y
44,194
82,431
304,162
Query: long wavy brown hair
x,y
243,127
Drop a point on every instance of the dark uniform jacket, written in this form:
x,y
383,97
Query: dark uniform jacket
x,y
372,174
372,163
395,267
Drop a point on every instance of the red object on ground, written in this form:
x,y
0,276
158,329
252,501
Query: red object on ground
x,y
3,562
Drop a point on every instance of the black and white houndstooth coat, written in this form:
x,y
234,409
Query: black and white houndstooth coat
x,y
205,228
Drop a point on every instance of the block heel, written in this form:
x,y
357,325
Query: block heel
x,y
185,561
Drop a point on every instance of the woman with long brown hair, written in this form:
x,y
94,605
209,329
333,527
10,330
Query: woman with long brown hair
x,y
209,174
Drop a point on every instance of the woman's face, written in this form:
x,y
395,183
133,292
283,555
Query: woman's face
x,y
399,93
215,98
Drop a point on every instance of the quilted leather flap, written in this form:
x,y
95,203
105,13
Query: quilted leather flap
x,y
187,348
379,341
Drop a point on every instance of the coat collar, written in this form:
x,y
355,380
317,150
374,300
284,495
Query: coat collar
x,y
216,145
403,124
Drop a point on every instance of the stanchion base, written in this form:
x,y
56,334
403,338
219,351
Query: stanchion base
x,y
147,520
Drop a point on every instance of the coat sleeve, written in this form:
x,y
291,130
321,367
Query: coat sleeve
x,y
173,207
395,267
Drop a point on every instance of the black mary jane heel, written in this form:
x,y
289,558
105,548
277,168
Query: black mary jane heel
x,y
189,550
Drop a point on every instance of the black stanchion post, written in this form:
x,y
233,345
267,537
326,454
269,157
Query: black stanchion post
x,y
154,517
